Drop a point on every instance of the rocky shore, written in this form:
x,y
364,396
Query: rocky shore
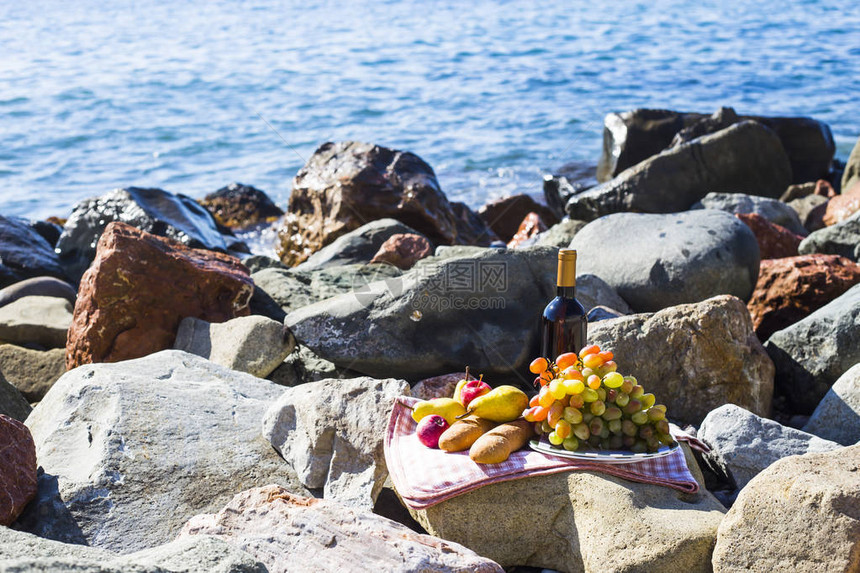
x,y
170,402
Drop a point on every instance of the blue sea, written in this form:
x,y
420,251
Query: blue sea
x,y
191,95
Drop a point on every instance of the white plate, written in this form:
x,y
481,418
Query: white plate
x,y
600,456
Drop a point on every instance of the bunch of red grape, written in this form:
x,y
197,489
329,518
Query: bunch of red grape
x,y
583,401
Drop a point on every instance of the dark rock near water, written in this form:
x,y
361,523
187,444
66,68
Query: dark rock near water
x,y
132,450
601,312
774,241
347,184
773,210
303,366
141,286
38,286
478,309
674,259
152,210
504,216
238,206
812,354
17,469
49,231
790,289
403,250
24,253
746,157
592,291
721,119
634,136
841,239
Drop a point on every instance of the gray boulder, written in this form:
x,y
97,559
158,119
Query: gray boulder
x,y
810,355
593,291
798,515
12,403
24,552
355,247
331,433
131,450
843,239
302,366
38,286
773,210
746,157
152,210
561,234
445,313
42,320
253,344
32,372
743,444
693,357
294,288
634,136
657,261
837,416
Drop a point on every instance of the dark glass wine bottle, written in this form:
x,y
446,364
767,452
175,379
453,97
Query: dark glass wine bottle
x,y
564,325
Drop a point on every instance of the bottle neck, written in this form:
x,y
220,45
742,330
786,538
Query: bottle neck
x,y
566,291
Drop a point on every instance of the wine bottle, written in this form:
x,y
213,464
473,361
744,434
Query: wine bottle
x,y
564,324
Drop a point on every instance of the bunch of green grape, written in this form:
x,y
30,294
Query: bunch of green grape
x,y
584,402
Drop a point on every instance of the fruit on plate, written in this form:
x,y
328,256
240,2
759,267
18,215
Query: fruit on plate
x,y
502,404
448,408
584,402
430,428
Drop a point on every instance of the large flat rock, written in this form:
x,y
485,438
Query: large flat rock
x,y
131,450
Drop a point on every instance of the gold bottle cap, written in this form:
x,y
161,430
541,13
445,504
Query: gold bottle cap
x,y
566,267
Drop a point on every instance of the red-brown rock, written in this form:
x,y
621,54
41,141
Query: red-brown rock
x,y
789,289
774,241
531,226
347,184
842,206
138,289
504,216
17,469
403,250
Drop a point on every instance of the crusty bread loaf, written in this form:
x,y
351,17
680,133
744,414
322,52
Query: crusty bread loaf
x,y
463,433
499,443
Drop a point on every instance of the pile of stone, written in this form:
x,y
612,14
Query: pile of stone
x,y
169,402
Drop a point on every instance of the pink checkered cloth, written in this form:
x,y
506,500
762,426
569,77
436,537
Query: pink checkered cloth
x,y
424,477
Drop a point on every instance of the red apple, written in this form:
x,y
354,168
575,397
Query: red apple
x,y
430,428
472,390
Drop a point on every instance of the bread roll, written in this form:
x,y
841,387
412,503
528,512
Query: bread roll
x,y
499,443
463,433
